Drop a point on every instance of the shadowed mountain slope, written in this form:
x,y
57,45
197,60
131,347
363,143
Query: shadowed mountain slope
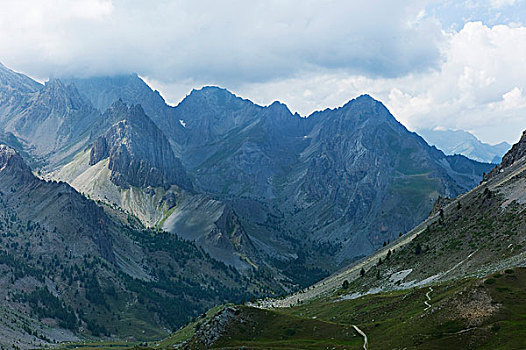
x,y
75,269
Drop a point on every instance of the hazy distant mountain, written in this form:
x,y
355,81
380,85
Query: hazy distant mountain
x,y
465,143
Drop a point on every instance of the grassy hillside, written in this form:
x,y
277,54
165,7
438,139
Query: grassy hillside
x,y
471,313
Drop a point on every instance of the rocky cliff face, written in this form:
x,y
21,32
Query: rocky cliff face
x,y
139,153
516,152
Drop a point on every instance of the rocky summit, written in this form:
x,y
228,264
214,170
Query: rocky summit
x,y
139,153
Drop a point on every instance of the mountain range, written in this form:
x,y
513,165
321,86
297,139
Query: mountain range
x,y
465,143
272,168
213,200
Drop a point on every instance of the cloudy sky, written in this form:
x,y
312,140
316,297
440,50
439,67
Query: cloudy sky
x,y
439,64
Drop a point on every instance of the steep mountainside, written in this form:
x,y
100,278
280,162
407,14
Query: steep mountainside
x,y
10,80
275,169
53,118
478,233
101,92
361,163
74,269
139,153
52,121
132,166
465,143
13,89
517,152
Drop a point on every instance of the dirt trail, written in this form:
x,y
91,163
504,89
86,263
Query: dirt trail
x,y
428,305
365,341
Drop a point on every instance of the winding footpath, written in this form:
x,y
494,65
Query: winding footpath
x,y
428,305
365,342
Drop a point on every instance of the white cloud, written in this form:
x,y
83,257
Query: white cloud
x,y
511,100
501,3
227,42
478,87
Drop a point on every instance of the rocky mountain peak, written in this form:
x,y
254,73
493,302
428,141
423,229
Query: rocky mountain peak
x,y
139,153
215,97
11,160
13,166
279,107
517,152
366,97
365,102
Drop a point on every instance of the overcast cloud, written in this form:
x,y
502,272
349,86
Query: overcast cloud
x,y
453,64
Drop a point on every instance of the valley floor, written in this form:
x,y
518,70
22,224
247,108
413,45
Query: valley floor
x,y
488,313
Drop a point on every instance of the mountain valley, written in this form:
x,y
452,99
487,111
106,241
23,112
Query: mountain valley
x,y
456,280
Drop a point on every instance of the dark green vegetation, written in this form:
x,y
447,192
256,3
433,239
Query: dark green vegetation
x,y
465,314
470,313
182,282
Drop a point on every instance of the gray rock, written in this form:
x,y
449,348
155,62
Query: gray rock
x,y
139,153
